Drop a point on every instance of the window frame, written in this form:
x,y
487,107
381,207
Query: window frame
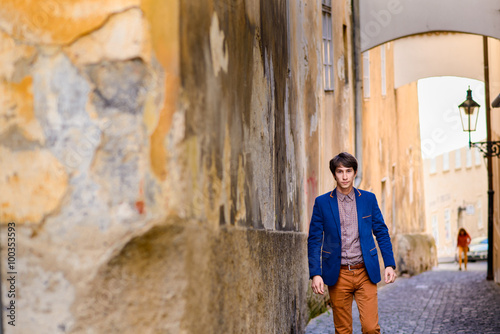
x,y
327,46
447,224
446,161
433,166
458,159
468,158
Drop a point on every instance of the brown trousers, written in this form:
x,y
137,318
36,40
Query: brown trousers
x,y
354,283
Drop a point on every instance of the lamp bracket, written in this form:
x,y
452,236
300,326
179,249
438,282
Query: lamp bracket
x,y
489,148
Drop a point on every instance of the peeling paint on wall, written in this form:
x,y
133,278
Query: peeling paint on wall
x,y
218,47
57,21
160,144
30,191
124,36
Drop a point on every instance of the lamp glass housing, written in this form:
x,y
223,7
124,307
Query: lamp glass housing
x,y
469,112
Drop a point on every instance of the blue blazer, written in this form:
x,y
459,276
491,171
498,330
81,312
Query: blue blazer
x,y
324,242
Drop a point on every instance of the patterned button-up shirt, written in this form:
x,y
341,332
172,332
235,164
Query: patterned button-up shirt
x,y
351,248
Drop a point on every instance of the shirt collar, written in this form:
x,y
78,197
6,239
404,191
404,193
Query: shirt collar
x,y
346,198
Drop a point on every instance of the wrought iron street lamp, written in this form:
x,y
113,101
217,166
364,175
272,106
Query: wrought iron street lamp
x,y
469,112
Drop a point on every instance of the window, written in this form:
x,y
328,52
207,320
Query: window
x,y
432,168
435,229
468,158
479,215
327,46
478,156
346,54
446,161
366,74
458,159
382,70
447,224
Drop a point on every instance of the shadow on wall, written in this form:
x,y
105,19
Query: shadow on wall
x,y
414,253
184,277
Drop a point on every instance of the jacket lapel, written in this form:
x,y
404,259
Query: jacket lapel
x,y
359,207
334,204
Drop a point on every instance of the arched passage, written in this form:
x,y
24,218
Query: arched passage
x,y
382,21
438,39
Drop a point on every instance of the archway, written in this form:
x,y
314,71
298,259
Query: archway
x,y
382,21
437,39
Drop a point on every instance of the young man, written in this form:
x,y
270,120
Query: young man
x,y
341,249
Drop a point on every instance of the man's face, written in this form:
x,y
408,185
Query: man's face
x,y
345,178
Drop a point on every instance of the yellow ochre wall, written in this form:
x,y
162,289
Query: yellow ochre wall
x,y
392,162
160,160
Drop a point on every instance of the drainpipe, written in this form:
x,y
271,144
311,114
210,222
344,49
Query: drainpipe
x,y
358,81
489,268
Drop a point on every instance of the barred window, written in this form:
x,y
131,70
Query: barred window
x,y
327,45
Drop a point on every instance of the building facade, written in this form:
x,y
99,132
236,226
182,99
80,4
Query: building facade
x,y
400,22
160,159
392,161
456,197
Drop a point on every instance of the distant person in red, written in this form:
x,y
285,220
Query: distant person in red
x,y
463,242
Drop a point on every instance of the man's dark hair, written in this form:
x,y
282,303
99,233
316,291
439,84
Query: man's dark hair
x,y
343,159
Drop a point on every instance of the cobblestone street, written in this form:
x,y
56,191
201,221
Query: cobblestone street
x,y
443,300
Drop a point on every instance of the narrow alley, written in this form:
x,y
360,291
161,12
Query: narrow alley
x,y
443,300
164,163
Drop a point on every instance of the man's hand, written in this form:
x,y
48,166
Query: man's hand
x,y
390,275
317,285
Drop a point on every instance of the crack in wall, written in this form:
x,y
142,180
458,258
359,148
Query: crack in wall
x,y
78,36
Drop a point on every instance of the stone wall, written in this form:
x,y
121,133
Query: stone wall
x,y
415,253
159,160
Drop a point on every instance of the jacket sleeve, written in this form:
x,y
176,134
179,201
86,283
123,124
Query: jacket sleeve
x,y
381,232
315,241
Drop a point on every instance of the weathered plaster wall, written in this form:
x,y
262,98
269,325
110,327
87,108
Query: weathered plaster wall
x,y
392,161
410,201
332,128
446,190
159,159
337,109
81,87
415,252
